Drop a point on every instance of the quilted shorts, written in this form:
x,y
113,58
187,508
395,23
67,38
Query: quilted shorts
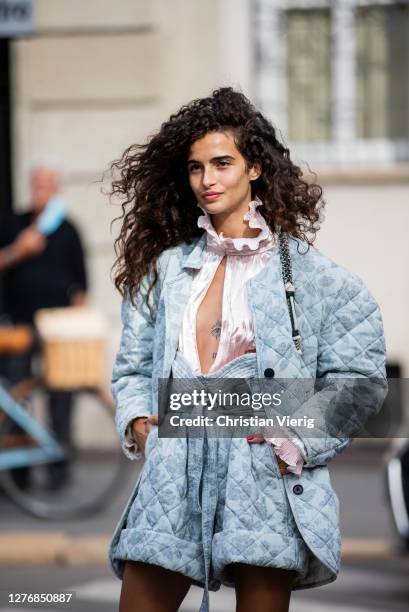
x,y
203,503
242,513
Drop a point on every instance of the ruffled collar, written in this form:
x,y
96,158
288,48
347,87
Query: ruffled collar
x,y
224,245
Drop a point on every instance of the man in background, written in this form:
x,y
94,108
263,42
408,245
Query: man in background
x,y
41,266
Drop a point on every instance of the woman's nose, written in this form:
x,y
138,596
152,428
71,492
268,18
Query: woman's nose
x,y
208,177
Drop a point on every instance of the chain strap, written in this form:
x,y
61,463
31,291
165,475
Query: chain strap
x,y
286,269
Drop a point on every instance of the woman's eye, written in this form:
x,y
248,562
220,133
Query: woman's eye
x,y
223,163
194,168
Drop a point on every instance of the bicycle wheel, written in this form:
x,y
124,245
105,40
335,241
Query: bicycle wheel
x,y
94,468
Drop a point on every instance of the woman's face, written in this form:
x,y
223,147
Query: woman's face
x,y
218,175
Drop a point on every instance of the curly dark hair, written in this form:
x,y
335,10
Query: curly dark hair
x,y
158,206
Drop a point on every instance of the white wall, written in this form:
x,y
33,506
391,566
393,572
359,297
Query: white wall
x,y
366,231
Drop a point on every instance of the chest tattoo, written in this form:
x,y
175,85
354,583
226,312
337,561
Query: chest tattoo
x,y
216,329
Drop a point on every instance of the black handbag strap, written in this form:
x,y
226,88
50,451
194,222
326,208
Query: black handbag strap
x,y
286,270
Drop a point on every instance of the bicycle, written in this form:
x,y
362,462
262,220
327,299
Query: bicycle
x,y
94,469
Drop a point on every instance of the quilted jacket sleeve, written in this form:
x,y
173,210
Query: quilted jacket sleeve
x,y
350,371
131,382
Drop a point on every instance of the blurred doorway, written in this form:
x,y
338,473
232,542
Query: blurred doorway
x,y
5,131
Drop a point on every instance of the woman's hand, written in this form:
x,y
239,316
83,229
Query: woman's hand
x,y
259,439
282,465
141,427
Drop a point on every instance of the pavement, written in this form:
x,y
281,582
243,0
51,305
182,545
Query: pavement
x,y
380,587
58,548
357,477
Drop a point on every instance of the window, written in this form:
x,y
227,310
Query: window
x,y
308,73
333,75
382,71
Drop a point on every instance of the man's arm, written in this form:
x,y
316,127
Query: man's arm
x,y
79,282
29,242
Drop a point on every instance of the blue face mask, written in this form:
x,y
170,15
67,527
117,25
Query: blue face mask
x,y
52,216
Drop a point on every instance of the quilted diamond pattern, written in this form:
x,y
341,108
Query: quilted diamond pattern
x,y
258,517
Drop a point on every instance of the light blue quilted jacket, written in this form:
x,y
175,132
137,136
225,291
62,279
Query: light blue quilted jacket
x,y
342,337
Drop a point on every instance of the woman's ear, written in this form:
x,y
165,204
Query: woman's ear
x,y
255,171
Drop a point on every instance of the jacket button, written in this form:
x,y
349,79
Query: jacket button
x,y
269,373
298,489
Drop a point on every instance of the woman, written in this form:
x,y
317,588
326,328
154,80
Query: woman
x,y
219,279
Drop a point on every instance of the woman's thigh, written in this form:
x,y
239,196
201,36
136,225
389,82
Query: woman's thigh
x,y
150,588
266,589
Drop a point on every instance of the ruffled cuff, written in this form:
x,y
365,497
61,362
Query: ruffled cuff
x,y
290,450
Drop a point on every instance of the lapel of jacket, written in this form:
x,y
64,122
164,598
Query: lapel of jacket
x,y
176,296
267,302
272,325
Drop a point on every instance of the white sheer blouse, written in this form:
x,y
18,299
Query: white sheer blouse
x,y
245,258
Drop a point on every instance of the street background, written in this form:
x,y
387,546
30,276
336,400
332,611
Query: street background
x,y
80,81
44,557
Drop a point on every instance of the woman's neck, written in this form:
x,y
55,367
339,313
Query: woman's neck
x,y
233,225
